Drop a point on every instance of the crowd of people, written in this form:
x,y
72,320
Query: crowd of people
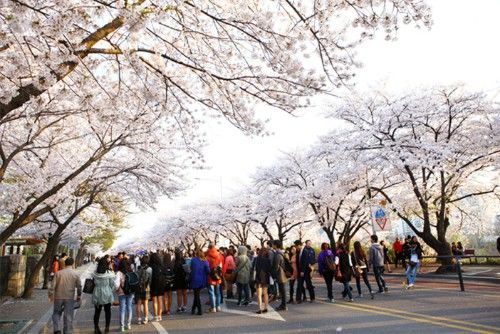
x,y
260,273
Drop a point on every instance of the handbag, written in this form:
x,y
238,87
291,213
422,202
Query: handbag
x,y
89,285
338,275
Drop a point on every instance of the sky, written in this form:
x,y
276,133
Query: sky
x,y
461,47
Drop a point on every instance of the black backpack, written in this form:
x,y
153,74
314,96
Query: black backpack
x,y
131,283
143,279
215,273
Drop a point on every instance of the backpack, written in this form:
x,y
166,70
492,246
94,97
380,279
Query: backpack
x,y
287,268
143,279
330,263
215,273
169,278
131,283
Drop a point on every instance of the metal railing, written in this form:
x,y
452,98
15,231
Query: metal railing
x,y
456,265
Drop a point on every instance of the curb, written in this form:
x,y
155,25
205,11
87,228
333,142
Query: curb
x,y
450,277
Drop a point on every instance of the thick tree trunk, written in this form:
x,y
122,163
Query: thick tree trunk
x,y
51,247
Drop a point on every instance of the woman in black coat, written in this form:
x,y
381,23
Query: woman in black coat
x,y
262,279
345,267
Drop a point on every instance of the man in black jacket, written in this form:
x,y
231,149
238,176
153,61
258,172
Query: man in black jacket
x,y
306,258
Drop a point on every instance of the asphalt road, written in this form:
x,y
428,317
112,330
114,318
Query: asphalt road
x,y
434,306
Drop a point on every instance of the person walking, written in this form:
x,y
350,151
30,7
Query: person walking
x,y
157,285
102,296
360,264
345,268
180,281
306,261
54,267
387,261
414,258
279,272
243,264
326,264
62,261
124,297
376,260
215,263
229,275
143,293
62,293
198,279
397,247
406,249
292,256
262,279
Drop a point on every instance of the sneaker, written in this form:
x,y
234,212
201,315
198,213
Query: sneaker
x,y
410,286
146,320
139,321
331,301
246,302
351,300
128,327
122,329
219,309
179,310
386,289
212,310
183,309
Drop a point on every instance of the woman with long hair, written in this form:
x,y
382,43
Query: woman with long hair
x,y
124,297
262,279
230,266
180,281
326,259
157,285
198,279
102,296
144,274
345,267
360,263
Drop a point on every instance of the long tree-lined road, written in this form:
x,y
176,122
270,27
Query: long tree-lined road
x,y
434,306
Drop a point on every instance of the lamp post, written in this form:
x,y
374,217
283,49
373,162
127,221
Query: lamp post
x,y
369,193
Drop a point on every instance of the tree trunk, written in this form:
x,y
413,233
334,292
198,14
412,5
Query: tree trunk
x,y
49,250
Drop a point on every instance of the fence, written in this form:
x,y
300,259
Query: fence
x,y
456,265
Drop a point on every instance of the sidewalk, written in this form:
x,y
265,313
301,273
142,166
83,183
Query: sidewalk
x,y
19,315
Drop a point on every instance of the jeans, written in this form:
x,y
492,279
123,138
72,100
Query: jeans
x,y
125,307
365,279
97,314
347,290
328,277
411,272
378,271
68,307
214,295
243,288
196,302
309,286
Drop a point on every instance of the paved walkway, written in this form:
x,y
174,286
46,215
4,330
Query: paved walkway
x,y
434,306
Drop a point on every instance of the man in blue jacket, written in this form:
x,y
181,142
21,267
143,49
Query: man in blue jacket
x,y
306,258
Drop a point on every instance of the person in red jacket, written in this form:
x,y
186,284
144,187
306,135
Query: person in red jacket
x,y
215,263
54,267
397,247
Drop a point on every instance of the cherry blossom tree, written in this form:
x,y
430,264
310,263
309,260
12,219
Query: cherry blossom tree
x,y
441,146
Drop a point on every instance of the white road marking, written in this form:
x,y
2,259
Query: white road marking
x,y
26,326
159,328
271,314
